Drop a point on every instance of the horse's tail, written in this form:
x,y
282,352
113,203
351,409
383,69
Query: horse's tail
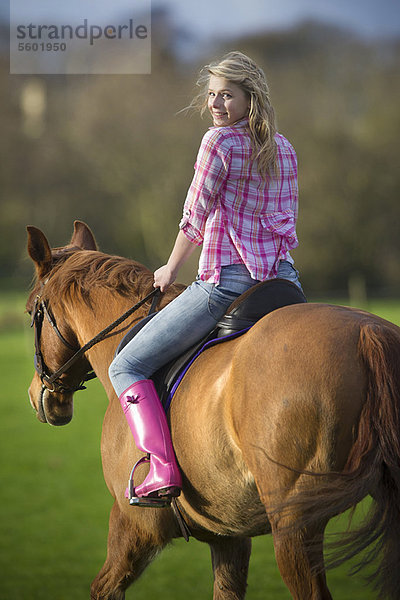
x,y
374,462
373,467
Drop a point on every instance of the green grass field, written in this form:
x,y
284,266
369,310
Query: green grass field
x,y
55,505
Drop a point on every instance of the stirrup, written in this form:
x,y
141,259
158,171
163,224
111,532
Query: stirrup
x,y
158,499
150,502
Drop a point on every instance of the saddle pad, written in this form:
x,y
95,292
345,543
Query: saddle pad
x,y
167,394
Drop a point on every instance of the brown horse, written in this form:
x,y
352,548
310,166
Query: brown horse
x,y
275,432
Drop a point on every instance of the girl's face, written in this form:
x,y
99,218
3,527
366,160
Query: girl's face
x,y
227,102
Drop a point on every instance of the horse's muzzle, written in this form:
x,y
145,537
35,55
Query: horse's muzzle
x,y
51,407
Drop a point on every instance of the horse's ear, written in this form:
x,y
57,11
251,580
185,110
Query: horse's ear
x,y
83,237
39,250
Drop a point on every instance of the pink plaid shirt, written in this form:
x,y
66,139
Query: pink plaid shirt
x,y
238,216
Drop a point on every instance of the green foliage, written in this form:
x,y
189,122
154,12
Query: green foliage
x,y
114,152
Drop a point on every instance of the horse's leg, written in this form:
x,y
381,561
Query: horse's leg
x,y
299,555
230,561
129,551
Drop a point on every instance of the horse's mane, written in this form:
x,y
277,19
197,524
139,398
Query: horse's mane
x,y
85,271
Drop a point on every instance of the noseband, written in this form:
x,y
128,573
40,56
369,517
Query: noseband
x,y
52,381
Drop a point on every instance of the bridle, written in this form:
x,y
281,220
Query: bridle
x,y
52,381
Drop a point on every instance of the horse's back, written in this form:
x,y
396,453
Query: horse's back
x,y
290,390
302,388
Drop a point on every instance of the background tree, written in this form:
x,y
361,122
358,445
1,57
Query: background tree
x,y
115,152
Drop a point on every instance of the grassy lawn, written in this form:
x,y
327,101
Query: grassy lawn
x,y
55,505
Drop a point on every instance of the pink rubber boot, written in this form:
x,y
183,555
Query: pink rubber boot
x,y
148,423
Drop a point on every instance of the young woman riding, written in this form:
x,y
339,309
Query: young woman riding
x,y
242,208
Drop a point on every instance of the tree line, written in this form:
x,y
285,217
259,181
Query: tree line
x,y
116,152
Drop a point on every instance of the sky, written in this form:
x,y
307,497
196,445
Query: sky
x,y
223,18
202,24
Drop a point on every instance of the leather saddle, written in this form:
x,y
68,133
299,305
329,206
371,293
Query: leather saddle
x,y
243,313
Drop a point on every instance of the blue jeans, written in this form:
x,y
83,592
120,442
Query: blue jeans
x,y
183,323
287,271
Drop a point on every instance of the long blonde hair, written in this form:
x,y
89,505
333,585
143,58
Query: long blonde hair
x,y
243,71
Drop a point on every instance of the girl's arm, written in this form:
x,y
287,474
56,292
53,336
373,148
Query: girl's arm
x,y
166,274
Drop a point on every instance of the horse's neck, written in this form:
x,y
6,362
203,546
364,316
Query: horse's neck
x,y
105,307
88,320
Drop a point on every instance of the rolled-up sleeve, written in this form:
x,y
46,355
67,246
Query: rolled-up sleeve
x,y
282,224
211,170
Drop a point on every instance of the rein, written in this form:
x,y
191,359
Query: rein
x,y
41,310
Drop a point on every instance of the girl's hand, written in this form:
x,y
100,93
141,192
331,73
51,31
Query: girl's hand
x,y
163,278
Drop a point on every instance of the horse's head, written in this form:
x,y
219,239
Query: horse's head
x,y
55,342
